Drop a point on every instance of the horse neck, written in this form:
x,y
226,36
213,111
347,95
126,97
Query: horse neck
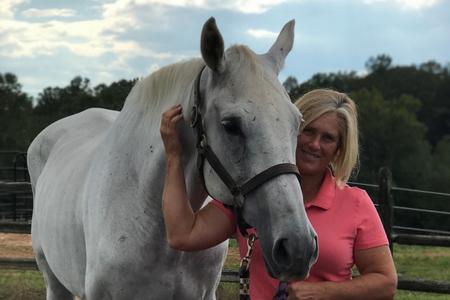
x,y
135,134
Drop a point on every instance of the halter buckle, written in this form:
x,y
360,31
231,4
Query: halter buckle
x,y
239,199
194,115
203,142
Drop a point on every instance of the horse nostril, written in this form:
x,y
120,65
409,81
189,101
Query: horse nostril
x,y
281,254
316,248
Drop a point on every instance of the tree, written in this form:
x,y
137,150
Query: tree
x,y
392,136
431,67
379,64
55,103
290,84
114,95
341,81
15,110
441,166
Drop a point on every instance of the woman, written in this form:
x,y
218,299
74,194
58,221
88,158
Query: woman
x,y
347,224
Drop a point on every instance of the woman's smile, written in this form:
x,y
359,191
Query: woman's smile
x,y
310,155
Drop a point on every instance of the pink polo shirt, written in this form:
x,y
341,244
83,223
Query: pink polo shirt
x,y
344,220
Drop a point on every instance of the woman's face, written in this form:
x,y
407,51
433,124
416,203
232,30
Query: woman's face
x,y
317,144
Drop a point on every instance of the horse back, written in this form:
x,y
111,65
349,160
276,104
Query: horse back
x,y
91,122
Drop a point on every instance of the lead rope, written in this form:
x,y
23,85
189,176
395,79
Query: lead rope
x,y
281,293
244,269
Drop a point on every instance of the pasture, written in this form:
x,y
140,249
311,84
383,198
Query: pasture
x,y
431,263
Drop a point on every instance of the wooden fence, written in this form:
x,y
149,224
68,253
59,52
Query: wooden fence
x,y
16,202
386,210
16,169
19,223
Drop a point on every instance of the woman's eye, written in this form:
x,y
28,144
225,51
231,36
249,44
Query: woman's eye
x,y
232,126
329,138
307,132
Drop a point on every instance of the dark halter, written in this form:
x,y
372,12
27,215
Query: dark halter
x,y
204,151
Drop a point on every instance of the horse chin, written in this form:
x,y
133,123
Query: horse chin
x,y
288,269
285,276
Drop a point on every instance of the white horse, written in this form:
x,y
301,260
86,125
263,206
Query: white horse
x,y
97,177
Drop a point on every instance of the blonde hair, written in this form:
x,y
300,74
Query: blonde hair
x,y
318,102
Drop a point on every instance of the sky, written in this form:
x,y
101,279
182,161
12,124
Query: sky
x,y
46,43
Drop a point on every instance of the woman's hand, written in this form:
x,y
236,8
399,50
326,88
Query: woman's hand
x,y
306,291
168,130
378,280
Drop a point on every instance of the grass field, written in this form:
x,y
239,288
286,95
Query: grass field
x,y
431,263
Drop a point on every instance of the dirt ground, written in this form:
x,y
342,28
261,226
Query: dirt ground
x,y
14,245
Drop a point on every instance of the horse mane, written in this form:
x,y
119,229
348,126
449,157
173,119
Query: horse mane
x,y
151,95
163,87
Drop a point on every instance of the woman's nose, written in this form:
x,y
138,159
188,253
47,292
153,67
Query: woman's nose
x,y
315,142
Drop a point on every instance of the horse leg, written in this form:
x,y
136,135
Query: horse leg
x,y
55,290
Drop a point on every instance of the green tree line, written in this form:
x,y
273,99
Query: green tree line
x,y
404,115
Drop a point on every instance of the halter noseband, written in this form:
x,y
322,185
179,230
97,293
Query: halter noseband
x,y
204,151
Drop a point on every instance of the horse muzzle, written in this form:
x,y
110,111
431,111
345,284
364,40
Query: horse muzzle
x,y
292,257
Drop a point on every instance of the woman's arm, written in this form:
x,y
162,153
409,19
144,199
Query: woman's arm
x,y
378,280
186,230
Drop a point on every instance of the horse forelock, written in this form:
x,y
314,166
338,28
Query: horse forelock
x,y
252,70
241,57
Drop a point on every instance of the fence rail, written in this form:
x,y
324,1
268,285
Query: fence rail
x,y
16,201
14,227
386,207
421,240
18,263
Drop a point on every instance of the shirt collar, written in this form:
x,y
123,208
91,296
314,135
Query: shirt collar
x,y
325,196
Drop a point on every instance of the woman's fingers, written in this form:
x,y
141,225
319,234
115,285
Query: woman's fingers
x,y
177,118
168,129
171,111
172,115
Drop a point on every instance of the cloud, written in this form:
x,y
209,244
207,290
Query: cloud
x,y
99,36
39,13
7,7
91,38
408,4
110,42
243,6
248,6
262,33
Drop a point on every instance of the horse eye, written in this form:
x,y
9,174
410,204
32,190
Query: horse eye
x,y
232,126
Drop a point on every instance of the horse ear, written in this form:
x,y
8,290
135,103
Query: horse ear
x,y
282,46
212,46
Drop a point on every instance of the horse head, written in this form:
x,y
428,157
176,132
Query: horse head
x,y
251,125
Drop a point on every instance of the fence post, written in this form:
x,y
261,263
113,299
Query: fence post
x,y
23,157
15,168
14,198
385,203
